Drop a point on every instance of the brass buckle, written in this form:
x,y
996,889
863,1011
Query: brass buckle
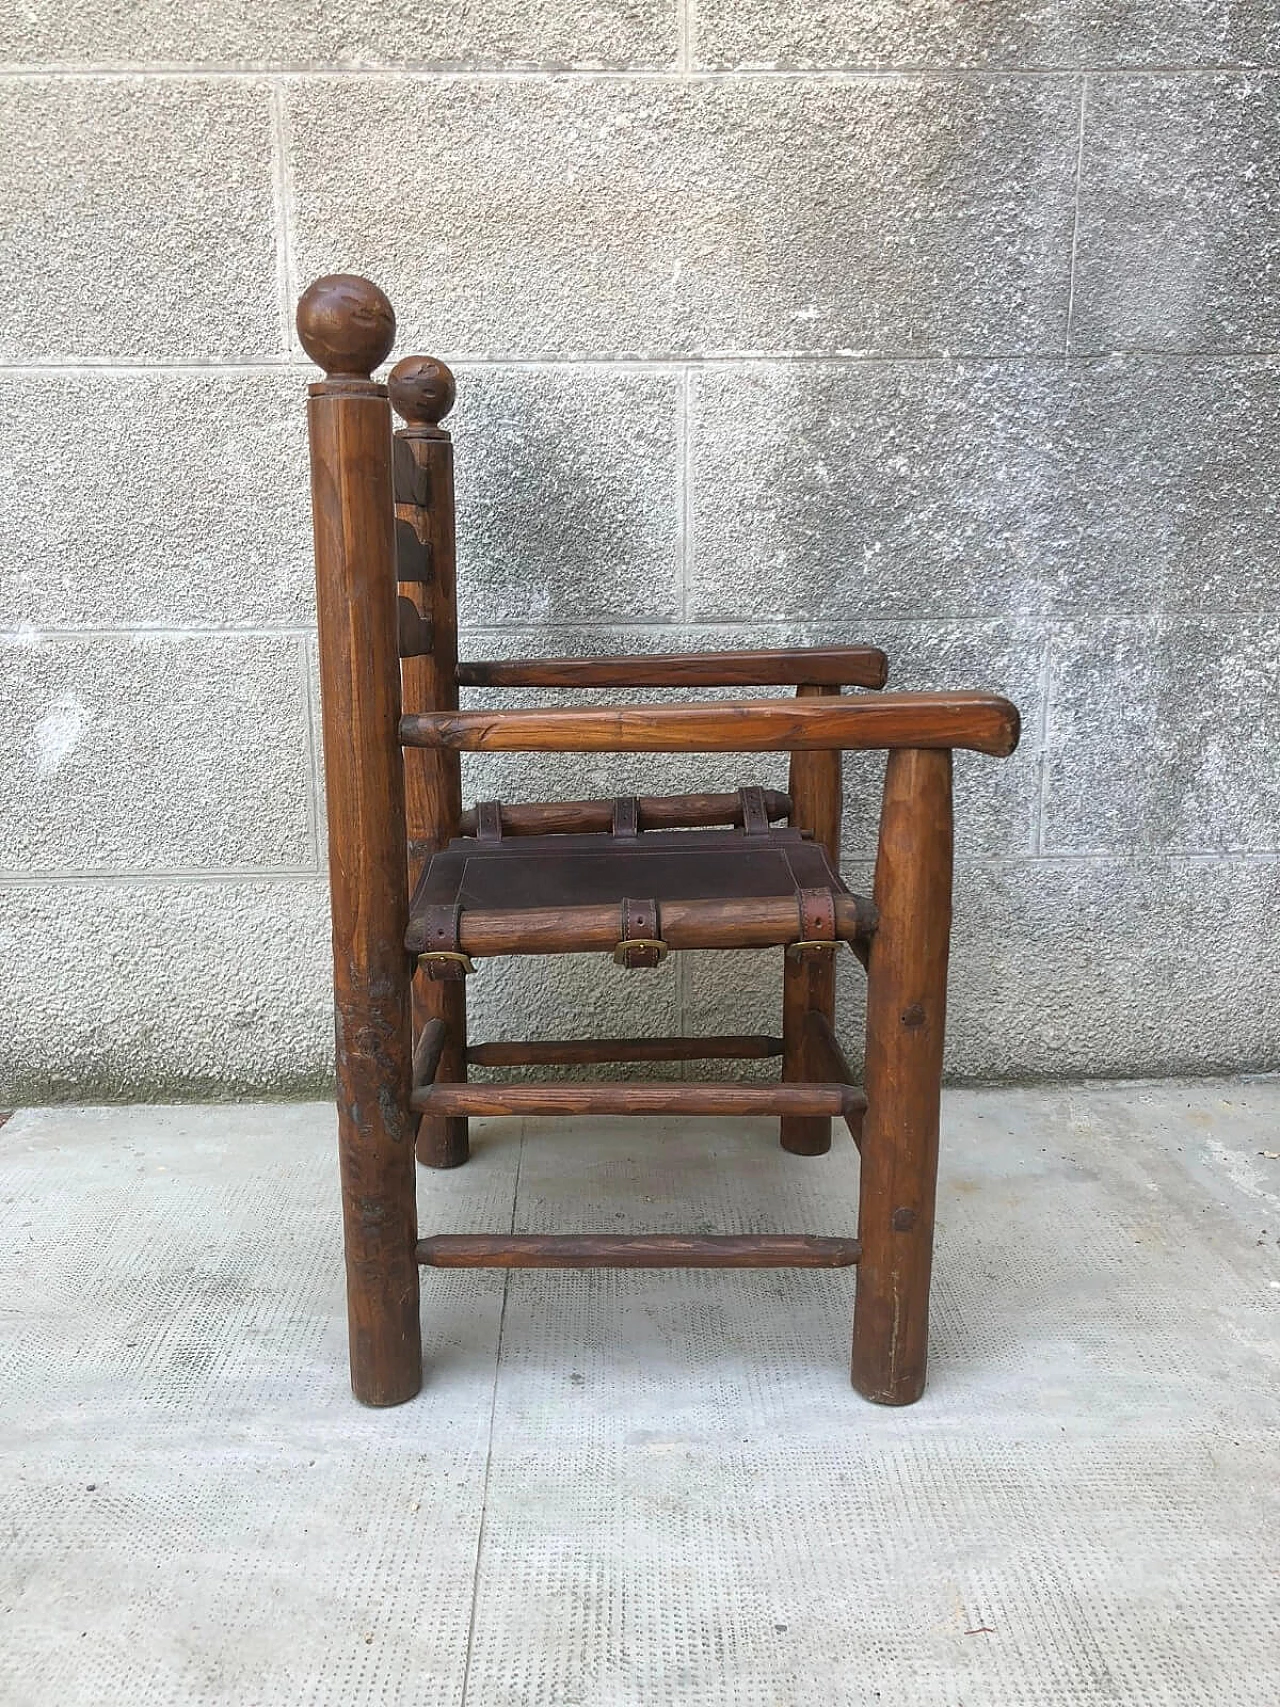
x,y
433,954
798,948
620,951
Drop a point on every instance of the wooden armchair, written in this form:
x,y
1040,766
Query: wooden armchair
x,y
631,879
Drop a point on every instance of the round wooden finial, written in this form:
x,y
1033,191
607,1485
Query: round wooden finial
x,y
346,325
422,390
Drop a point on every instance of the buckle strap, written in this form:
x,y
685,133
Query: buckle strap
x,y
755,816
441,957
817,909
626,816
489,821
640,941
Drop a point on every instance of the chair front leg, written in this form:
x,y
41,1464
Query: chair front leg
x,y
906,1013
347,325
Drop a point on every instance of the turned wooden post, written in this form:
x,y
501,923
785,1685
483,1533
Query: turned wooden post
x,y
809,986
906,1013
422,391
347,327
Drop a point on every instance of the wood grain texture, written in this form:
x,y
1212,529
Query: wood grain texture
x,y
422,391
809,984
587,1051
652,1097
347,326
685,924
655,812
982,723
635,1250
433,776
848,666
906,1017
827,1060
825,1050
427,1051
350,431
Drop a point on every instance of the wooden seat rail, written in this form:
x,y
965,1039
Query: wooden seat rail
x,y
771,923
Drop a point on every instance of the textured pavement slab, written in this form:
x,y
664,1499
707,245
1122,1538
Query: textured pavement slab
x,y
631,1488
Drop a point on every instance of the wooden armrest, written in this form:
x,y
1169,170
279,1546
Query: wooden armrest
x,y
981,722
823,666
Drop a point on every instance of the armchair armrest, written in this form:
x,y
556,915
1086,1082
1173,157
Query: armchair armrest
x,y
789,666
981,722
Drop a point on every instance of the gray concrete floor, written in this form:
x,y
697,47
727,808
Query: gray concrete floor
x,y
632,1489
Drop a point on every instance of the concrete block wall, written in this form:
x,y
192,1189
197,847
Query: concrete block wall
x,y
950,326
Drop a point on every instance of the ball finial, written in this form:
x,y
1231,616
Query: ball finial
x,y
346,325
422,390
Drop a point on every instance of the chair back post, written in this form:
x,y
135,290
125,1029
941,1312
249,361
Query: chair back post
x,y
809,984
422,392
347,327
906,1018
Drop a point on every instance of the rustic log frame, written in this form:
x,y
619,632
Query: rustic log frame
x,y
385,569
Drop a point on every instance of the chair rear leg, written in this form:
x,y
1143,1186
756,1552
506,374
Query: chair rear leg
x,y
906,1013
443,1141
807,986
816,804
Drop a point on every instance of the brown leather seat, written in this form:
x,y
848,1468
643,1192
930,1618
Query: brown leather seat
x,y
661,865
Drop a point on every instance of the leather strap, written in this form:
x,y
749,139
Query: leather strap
x,y
817,908
441,955
489,821
755,817
626,816
640,920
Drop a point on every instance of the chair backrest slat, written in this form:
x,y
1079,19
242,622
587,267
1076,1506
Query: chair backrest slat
x,y
422,392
